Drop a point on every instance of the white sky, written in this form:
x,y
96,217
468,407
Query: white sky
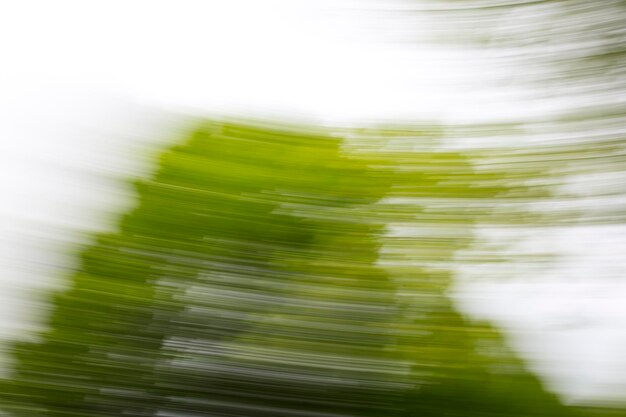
x,y
83,84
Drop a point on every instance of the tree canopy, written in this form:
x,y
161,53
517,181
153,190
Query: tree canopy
x,y
248,281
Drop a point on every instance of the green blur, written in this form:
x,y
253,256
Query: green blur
x,y
249,281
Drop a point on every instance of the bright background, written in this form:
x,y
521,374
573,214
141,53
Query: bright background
x,y
85,86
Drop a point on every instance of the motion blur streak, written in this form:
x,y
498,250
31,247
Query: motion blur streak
x,y
553,74
260,275
271,269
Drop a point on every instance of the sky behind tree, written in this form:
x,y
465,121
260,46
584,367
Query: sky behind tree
x,y
330,61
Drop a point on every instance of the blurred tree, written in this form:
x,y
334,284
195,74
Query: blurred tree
x,y
558,67
247,282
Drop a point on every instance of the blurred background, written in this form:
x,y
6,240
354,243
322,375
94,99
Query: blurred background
x,y
91,93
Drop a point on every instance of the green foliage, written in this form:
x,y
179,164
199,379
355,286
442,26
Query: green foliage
x,y
247,282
